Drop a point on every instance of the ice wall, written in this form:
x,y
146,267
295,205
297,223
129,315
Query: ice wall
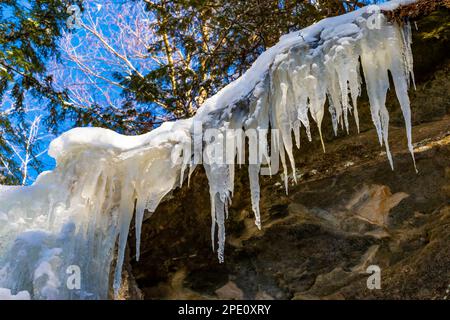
x,y
79,215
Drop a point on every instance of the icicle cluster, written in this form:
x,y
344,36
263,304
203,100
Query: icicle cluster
x,y
299,82
78,213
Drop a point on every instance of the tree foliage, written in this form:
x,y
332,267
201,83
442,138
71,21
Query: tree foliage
x,y
29,31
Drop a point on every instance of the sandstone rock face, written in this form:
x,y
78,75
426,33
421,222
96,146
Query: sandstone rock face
x,y
348,211
373,203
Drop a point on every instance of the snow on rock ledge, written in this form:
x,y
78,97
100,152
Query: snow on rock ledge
x,y
73,217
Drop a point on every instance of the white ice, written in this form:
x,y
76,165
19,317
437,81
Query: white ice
x,y
81,212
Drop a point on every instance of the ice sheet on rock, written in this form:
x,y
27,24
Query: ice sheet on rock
x,y
81,212
5,294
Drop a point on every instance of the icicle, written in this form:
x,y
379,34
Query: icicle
x,y
401,69
355,90
221,207
283,109
213,219
140,210
375,74
126,214
317,95
219,188
253,171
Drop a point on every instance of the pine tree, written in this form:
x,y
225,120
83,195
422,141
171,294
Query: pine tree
x,y
208,43
28,37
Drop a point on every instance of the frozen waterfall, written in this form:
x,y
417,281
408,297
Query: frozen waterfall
x,y
78,216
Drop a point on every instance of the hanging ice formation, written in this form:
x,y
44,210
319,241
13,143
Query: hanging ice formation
x,y
72,218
